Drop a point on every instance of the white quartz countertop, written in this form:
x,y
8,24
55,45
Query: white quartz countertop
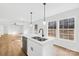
x,y
48,41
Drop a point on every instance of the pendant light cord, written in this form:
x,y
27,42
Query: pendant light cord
x,y
44,10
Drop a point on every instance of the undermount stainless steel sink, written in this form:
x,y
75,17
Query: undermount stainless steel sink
x,y
39,38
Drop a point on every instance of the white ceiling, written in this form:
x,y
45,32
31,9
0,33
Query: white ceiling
x,y
21,11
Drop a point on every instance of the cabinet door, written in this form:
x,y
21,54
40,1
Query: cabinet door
x,y
33,48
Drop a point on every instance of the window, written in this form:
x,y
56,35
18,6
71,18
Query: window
x,y
66,28
52,29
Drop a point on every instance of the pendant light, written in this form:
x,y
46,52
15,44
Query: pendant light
x,y
44,22
31,19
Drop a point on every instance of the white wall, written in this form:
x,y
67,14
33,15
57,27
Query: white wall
x,y
8,26
73,45
1,30
26,29
14,29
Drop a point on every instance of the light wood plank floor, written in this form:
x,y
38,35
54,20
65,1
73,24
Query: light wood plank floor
x,y
61,51
10,46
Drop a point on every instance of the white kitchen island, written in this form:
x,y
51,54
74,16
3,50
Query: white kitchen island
x,y
39,48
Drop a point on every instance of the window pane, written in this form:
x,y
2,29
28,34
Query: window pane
x,y
66,23
71,23
71,31
61,24
71,37
54,24
66,32
66,36
51,25
61,31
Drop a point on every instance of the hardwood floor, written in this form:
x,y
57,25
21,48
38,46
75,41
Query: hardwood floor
x,y
61,51
10,45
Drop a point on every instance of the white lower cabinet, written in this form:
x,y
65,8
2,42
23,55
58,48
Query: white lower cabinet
x,y
36,49
33,49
